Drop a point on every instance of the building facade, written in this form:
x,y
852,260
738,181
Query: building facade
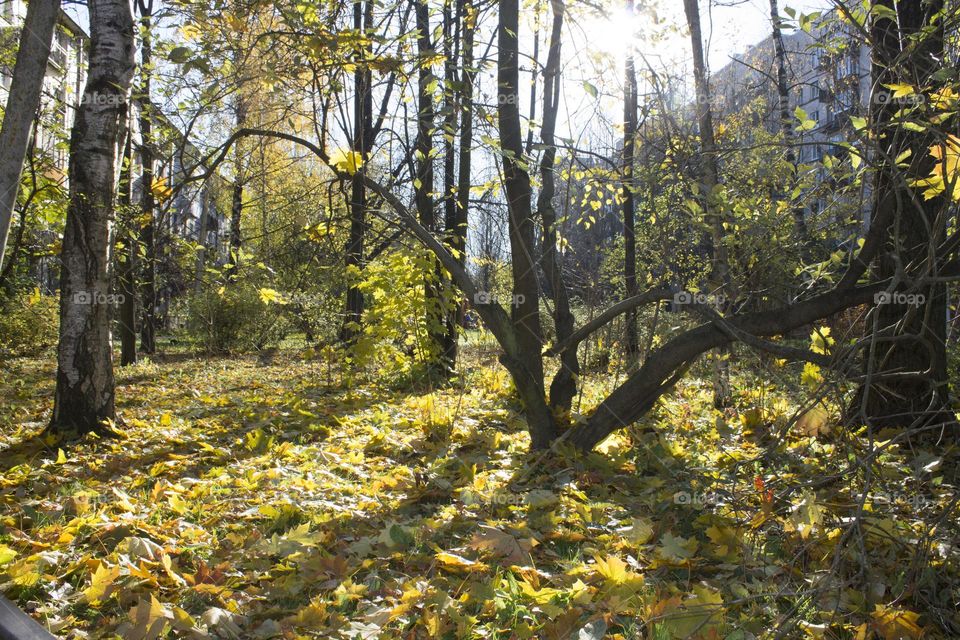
x,y
192,207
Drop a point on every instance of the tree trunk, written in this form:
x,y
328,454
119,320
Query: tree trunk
x,y
423,185
14,255
629,205
457,227
786,118
451,33
202,239
362,129
523,358
23,100
148,322
564,384
126,263
720,273
236,197
84,398
906,364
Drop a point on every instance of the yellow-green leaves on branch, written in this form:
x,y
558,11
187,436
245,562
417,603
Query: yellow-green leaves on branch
x,y
347,161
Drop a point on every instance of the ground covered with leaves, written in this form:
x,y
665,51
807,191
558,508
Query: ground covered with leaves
x,y
286,499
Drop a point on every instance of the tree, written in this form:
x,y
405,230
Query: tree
x,y
84,398
783,104
363,132
148,205
710,180
127,248
905,366
524,360
424,181
23,100
564,384
629,190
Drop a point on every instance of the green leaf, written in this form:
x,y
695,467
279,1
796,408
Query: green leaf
x,y
179,55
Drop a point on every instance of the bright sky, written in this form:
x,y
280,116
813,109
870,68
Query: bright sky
x,y
729,30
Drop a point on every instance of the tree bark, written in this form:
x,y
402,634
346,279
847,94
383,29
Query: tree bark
x,y
451,32
202,238
786,118
906,363
236,196
362,132
126,262
564,384
424,183
23,100
148,321
523,358
629,189
720,272
457,225
84,398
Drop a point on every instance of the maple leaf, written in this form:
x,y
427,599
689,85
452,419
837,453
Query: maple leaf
x,y
502,544
676,549
101,584
149,618
459,564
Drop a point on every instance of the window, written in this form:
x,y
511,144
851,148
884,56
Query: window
x,y
58,52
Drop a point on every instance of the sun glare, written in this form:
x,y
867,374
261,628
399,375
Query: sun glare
x,y
611,34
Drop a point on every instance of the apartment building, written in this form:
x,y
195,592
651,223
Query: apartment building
x,y
183,215
829,78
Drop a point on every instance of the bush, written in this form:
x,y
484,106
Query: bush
x,y
29,325
235,318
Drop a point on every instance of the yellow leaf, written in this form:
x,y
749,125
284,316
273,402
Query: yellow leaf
x,y
640,531
347,161
6,554
677,549
457,563
900,90
897,624
100,583
177,504
61,457
814,422
268,296
149,619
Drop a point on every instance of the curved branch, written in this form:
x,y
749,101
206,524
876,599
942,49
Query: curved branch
x,y
653,295
639,392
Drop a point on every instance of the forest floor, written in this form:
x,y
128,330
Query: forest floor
x,y
282,499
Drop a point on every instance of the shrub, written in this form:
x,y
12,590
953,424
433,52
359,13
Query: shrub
x,y
235,318
29,325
